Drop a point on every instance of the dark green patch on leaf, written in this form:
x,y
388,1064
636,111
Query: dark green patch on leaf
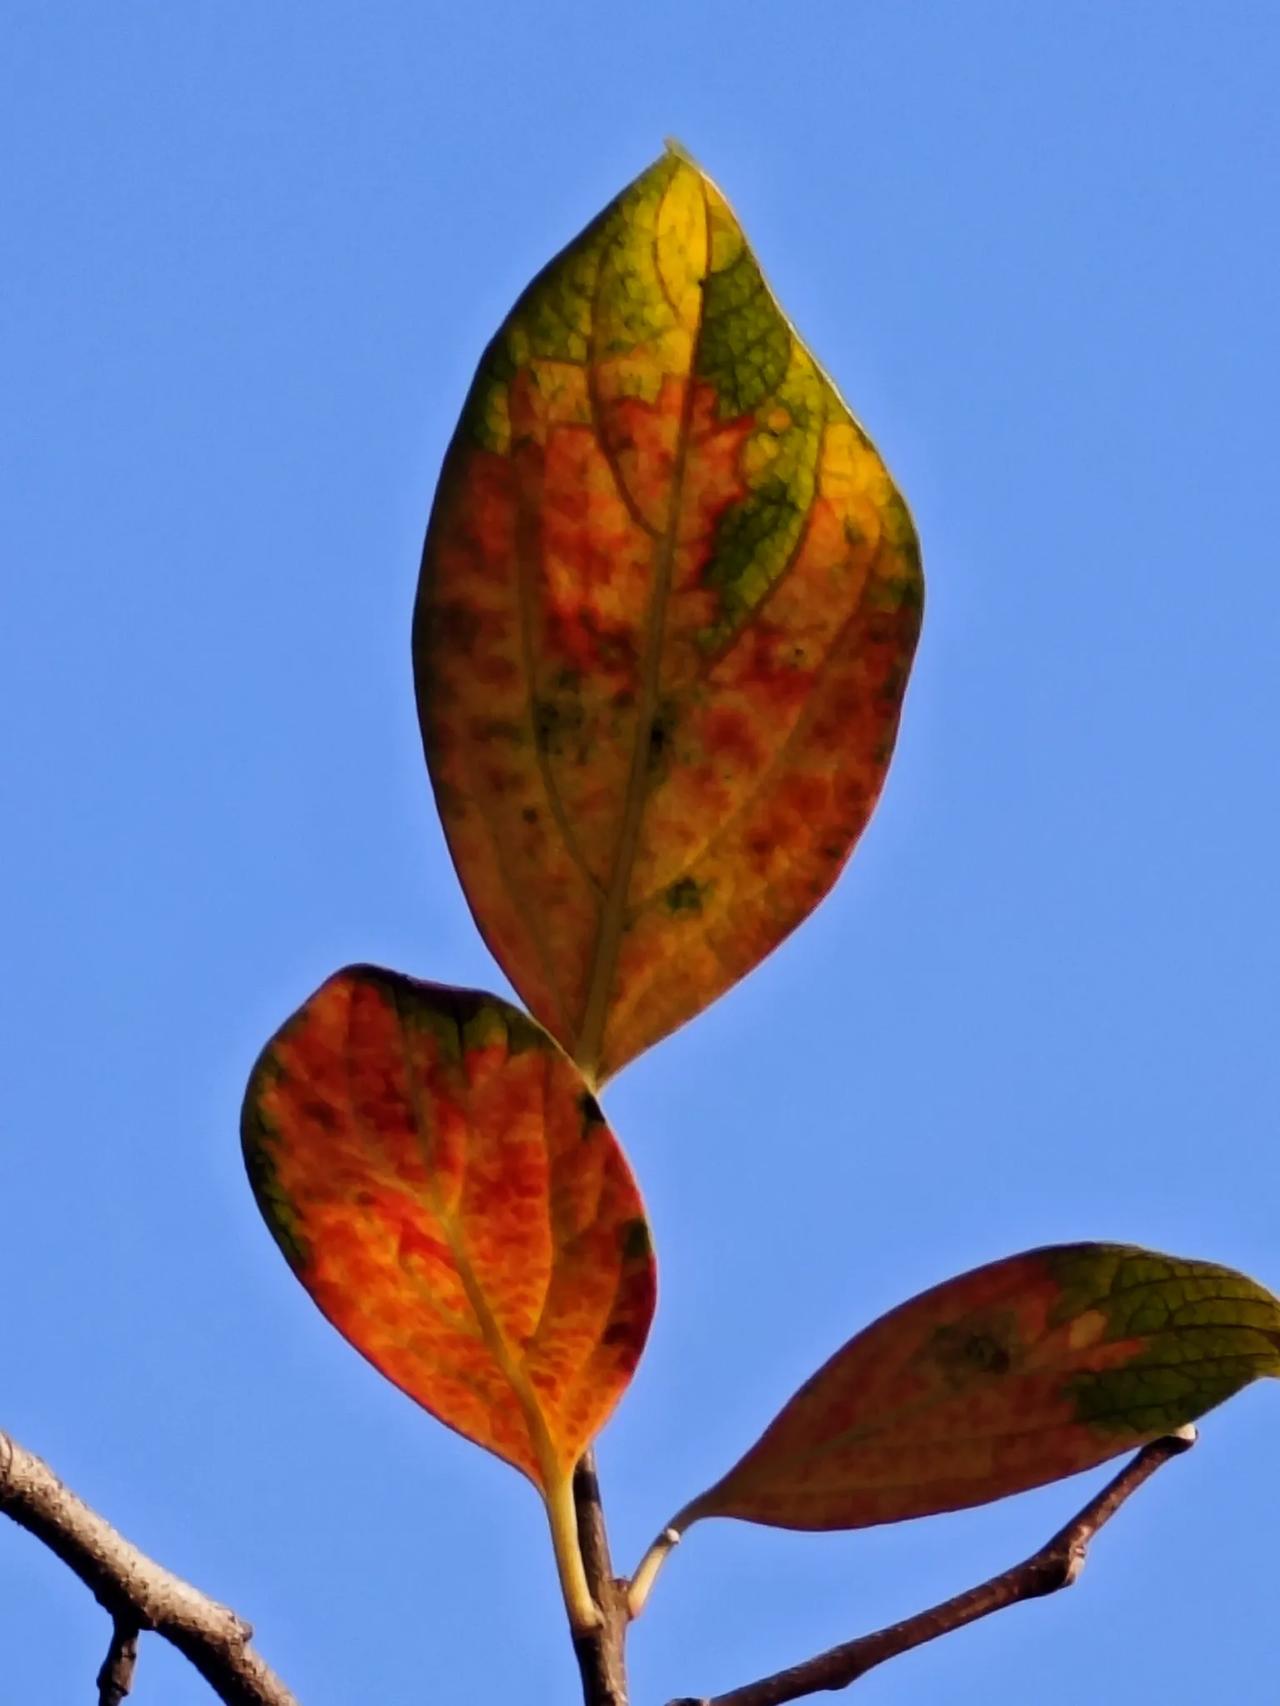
x,y
684,895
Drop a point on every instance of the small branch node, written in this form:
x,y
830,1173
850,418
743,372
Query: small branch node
x,y
1056,1570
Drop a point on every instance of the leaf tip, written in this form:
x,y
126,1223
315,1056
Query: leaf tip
x,y
673,145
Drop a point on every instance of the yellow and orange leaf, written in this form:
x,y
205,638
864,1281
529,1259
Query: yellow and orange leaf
x,y
1006,1378
444,1185
668,605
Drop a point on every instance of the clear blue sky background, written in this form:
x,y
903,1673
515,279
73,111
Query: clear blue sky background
x,y
253,252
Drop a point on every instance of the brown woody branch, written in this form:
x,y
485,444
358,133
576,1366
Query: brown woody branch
x,y
136,1593
1056,1565
115,1679
139,1594
601,1652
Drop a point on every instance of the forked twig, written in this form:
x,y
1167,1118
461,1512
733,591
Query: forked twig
x,y
1056,1565
136,1592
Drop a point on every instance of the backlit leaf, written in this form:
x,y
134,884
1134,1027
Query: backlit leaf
x,y
444,1185
1005,1378
668,605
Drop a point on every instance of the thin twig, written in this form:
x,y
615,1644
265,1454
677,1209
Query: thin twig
x,y
600,1651
136,1592
1056,1565
115,1679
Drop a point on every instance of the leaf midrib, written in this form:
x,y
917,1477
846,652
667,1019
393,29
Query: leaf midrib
x,y
495,1339
589,1044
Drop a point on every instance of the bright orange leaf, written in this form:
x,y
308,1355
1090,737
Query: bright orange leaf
x,y
444,1185
1005,1378
668,605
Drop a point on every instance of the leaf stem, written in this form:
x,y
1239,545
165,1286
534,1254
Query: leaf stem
x,y
562,1514
646,1571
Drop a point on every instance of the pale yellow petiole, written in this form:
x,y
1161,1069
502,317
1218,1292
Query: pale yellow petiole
x,y
579,1602
647,1569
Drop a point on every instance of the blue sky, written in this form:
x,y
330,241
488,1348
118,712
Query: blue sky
x,y
254,252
